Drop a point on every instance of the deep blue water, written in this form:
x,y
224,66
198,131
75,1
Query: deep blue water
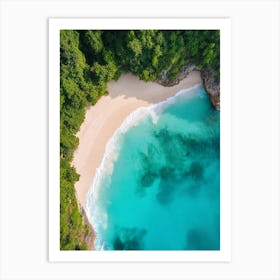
x,y
158,187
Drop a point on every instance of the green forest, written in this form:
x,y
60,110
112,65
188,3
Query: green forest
x,y
91,58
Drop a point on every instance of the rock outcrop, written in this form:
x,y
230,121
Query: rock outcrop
x,y
183,73
212,87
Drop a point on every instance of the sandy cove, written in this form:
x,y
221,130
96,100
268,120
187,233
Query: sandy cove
x,y
105,117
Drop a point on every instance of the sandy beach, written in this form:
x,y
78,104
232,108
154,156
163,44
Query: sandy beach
x,y
125,95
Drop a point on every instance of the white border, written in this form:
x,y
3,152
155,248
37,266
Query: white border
x,y
224,255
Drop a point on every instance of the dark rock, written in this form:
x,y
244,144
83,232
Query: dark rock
x,y
183,73
212,87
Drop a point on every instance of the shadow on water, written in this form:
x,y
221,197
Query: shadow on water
x,y
179,170
188,182
180,166
166,191
149,169
129,239
195,171
148,178
199,239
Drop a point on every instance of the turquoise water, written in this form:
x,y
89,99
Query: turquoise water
x,y
158,187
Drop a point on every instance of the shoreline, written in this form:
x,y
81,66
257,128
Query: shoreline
x,y
106,116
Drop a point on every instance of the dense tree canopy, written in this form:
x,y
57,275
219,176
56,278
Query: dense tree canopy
x,y
91,58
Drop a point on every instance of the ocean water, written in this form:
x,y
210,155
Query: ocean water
x,y
158,186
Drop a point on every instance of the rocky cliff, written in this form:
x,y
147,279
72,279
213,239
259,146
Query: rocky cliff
x,y
183,73
212,87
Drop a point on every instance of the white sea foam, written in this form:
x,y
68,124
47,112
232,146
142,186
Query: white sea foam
x,y
96,212
159,107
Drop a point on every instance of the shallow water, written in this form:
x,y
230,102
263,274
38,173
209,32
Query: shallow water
x,y
158,187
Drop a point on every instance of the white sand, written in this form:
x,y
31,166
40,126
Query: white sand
x,y
125,95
